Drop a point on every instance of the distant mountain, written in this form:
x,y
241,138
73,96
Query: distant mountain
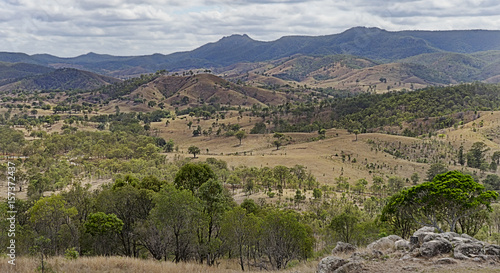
x,y
373,43
10,72
59,79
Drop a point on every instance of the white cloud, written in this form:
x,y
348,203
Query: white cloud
x,y
132,27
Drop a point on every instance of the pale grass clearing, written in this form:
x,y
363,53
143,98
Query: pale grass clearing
x,y
117,264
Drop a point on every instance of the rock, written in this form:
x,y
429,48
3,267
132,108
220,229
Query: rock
x,y
377,253
449,235
429,237
352,267
467,237
460,240
356,257
402,244
394,238
467,250
435,247
493,250
330,264
446,261
342,247
406,257
383,244
422,232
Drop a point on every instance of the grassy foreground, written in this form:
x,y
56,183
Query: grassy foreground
x,y
116,264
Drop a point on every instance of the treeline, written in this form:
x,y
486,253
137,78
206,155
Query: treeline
x,y
149,217
192,217
420,111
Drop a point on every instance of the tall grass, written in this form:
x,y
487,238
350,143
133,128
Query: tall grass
x,y
117,264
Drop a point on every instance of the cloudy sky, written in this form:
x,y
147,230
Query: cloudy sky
x,y
69,28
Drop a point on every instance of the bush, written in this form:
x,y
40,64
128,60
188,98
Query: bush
x,y
71,254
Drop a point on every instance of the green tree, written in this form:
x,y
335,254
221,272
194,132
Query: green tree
x,y
356,133
444,201
435,169
240,229
191,176
360,185
259,128
398,216
194,150
169,146
476,154
415,178
178,211
11,141
461,157
492,182
395,184
285,238
322,133
215,202
317,193
240,135
131,205
104,228
345,223
234,180
50,217
280,138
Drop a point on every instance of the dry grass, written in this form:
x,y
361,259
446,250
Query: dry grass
x,y
322,157
124,264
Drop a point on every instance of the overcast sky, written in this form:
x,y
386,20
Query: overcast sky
x,y
69,28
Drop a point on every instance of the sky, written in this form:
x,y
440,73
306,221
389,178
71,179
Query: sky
x,y
68,28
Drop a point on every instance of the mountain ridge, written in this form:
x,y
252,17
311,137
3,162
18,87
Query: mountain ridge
x,y
374,43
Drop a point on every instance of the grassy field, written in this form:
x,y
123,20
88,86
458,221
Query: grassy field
x,y
116,264
323,157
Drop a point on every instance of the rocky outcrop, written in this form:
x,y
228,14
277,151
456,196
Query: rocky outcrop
x,y
424,244
330,264
342,247
334,264
435,247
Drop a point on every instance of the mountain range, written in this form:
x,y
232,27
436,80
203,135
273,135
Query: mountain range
x,y
419,57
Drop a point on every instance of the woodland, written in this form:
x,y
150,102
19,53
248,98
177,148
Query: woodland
x,y
158,202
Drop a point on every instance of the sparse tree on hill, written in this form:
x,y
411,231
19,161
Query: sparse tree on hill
x,y
435,169
415,178
322,133
194,150
475,156
279,140
356,133
461,158
240,135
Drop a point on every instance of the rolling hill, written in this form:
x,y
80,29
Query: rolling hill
x,y
60,79
181,92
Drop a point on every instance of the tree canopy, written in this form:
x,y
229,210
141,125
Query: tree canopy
x,y
443,202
